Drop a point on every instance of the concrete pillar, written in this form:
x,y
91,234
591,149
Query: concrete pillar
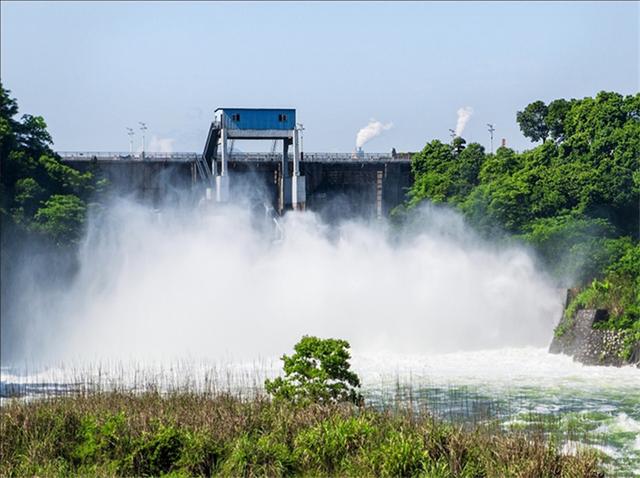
x,y
225,152
379,178
285,179
222,188
222,180
298,186
296,154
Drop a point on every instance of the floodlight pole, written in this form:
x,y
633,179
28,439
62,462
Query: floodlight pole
x,y
143,128
491,130
130,133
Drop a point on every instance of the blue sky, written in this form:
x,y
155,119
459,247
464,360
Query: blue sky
x,y
92,69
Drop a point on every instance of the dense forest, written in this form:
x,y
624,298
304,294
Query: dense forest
x,y
574,198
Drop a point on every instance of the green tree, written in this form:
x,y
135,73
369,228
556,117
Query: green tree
x,y
61,217
468,165
573,245
556,114
431,169
446,172
532,121
38,193
318,371
458,144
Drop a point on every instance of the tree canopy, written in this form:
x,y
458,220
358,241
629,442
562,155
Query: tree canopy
x,y
38,193
575,197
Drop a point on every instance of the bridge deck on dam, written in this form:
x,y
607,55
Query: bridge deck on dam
x,y
344,184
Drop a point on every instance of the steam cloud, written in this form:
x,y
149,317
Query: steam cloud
x,y
373,129
464,114
161,145
209,284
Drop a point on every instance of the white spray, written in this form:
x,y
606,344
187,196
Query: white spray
x,y
189,284
373,129
464,114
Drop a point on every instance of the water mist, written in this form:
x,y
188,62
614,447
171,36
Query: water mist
x,y
207,283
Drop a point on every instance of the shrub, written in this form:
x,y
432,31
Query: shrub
x,y
318,371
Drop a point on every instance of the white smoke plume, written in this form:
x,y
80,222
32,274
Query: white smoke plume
x,y
464,114
373,129
160,145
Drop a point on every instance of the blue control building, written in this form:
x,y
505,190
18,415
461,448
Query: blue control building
x,y
255,123
252,119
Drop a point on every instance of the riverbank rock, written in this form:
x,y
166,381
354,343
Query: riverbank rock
x,y
577,337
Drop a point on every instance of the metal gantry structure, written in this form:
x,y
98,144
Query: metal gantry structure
x,y
231,124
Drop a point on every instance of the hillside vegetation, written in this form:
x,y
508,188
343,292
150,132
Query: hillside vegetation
x,y
574,198
39,196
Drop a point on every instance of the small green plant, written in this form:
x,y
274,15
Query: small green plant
x,y
318,371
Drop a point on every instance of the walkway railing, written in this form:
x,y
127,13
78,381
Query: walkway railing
x,y
234,156
119,155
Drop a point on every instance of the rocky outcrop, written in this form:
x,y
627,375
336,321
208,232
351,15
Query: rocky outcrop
x,y
577,336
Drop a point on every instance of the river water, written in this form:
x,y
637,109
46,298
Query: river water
x,y
522,388
511,388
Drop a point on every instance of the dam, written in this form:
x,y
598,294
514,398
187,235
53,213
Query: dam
x,y
363,184
371,183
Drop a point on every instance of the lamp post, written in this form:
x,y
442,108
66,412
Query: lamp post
x,y
130,133
143,128
491,130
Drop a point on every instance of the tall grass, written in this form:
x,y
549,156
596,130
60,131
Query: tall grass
x,y
191,433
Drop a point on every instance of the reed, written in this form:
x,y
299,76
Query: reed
x,y
194,432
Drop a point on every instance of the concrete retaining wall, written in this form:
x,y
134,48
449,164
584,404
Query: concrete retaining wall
x,y
589,345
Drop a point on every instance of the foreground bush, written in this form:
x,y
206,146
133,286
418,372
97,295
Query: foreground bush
x,y
183,434
318,372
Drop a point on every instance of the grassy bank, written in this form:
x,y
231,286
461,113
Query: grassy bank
x,y
189,434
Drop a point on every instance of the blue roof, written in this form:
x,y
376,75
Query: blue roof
x,y
255,109
259,118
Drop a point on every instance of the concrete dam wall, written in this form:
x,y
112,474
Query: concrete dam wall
x,y
337,186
